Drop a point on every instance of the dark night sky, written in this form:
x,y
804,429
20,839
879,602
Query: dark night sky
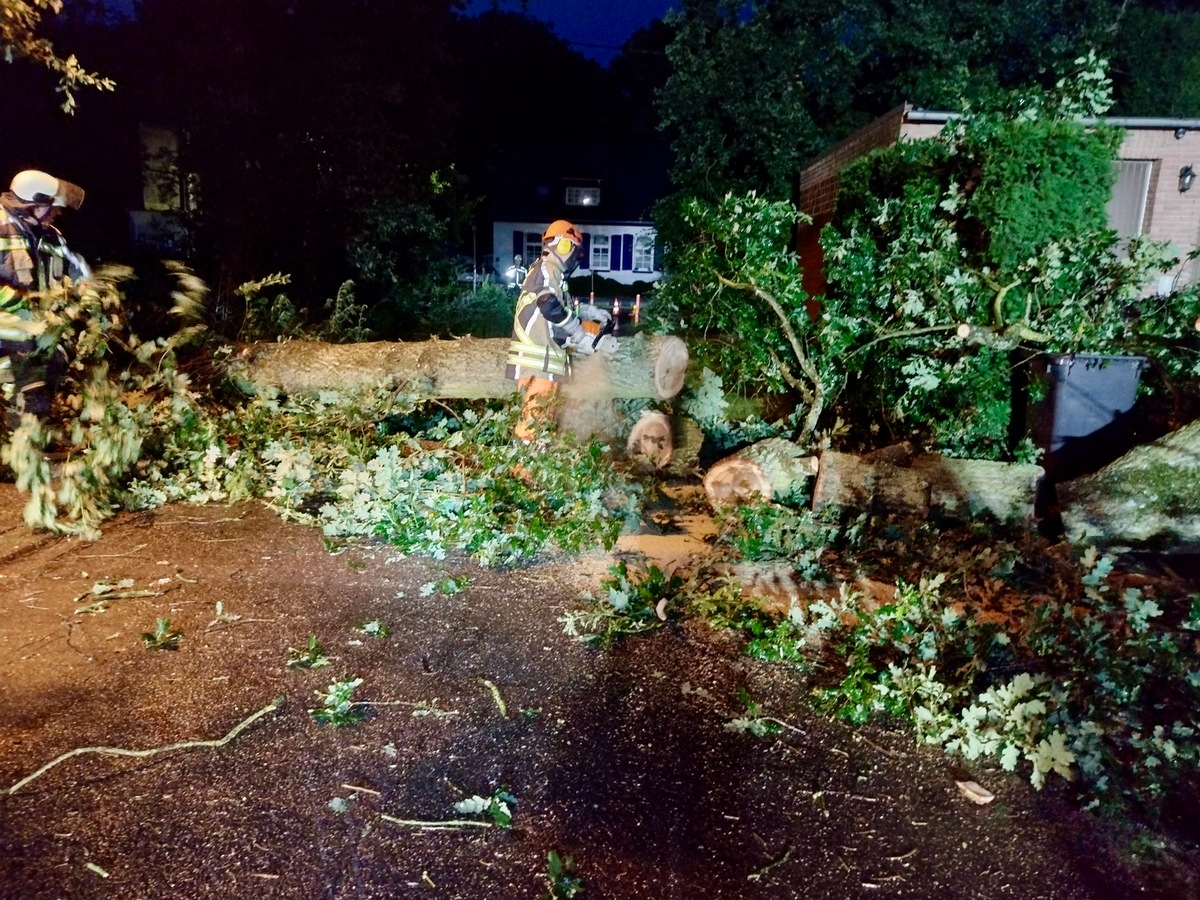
x,y
596,28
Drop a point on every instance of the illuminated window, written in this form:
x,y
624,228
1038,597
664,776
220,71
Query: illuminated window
x,y
601,253
165,187
643,253
582,196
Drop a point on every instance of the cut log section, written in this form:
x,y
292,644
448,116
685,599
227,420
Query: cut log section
x,y
651,440
956,488
688,438
667,444
769,470
644,367
887,481
1150,497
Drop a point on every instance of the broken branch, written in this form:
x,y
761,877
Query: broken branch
x,y
438,824
491,686
120,751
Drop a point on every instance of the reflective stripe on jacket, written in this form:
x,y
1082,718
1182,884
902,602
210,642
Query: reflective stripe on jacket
x,y
10,300
32,258
540,307
533,350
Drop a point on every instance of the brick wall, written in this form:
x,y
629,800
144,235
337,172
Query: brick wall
x,y
819,180
819,184
1170,215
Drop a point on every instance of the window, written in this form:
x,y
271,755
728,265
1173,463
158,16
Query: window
x,y
601,253
582,196
643,252
1127,208
533,247
165,188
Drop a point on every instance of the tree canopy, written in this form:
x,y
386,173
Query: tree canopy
x,y
21,36
952,262
756,88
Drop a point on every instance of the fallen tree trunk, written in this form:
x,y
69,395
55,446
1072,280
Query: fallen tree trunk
x,y
889,480
1149,497
957,488
645,366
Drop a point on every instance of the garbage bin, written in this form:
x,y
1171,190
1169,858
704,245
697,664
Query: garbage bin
x,y
1084,420
1088,392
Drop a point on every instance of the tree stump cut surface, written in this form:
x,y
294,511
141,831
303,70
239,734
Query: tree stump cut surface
x,y
769,470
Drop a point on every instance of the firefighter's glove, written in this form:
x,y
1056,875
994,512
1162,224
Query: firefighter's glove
x,y
567,331
590,313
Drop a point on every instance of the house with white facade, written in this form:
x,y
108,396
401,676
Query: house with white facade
x,y
607,190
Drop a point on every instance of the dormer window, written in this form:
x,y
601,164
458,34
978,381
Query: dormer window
x,y
578,195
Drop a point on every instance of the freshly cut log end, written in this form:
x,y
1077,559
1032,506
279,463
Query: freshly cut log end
x,y
670,367
651,441
765,471
735,481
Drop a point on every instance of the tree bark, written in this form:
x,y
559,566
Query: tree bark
x,y
645,366
956,488
1150,497
689,441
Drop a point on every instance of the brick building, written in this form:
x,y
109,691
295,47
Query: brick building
x,y
1151,196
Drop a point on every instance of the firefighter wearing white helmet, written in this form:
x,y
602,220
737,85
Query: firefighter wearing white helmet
x,y
545,329
33,257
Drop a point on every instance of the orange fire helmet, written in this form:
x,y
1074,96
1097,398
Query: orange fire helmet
x,y
562,229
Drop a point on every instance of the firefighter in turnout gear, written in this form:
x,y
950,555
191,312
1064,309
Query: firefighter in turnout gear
x,y
545,328
33,257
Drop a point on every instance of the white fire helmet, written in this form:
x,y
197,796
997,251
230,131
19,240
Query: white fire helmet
x,y
32,186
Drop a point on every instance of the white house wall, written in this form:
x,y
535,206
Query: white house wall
x,y
623,267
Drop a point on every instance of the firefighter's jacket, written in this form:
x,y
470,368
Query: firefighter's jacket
x,y
32,258
537,341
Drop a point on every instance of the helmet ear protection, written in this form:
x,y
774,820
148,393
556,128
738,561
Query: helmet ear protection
x,y
561,232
